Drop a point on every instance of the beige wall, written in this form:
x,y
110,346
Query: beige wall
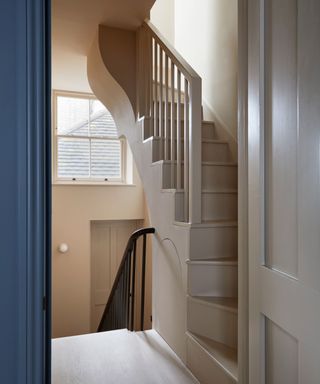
x,y
162,16
206,35
73,209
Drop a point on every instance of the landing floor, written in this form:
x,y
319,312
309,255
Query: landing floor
x,y
117,357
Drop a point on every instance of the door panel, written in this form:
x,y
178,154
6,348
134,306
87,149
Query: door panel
x,y
284,191
309,143
281,355
281,134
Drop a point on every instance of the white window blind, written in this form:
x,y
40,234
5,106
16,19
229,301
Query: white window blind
x,y
87,144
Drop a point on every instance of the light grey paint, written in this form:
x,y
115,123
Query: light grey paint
x,y
281,129
284,190
281,356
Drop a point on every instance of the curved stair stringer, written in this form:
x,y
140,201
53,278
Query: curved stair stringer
x,y
108,90
171,242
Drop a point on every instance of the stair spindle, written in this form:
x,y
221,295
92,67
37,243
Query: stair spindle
x,y
186,150
161,115
133,286
156,114
166,111
172,133
179,161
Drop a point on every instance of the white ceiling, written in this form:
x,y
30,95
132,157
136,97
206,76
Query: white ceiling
x,y
74,24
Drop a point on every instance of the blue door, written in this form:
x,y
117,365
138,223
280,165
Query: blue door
x,y
25,191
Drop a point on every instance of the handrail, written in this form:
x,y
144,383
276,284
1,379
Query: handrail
x,y
178,60
126,276
169,100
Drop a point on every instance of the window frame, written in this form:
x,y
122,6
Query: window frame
x,y
82,180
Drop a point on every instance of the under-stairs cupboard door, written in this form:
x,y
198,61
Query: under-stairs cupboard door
x,y
284,191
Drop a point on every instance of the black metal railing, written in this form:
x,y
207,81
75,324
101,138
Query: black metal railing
x,y
120,310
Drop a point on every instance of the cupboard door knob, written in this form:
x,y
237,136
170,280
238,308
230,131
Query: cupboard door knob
x,y
63,248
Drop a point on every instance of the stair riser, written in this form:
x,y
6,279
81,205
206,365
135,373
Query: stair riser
x,y
213,280
160,110
212,322
204,367
163,88
214,178
209,131
166,176
219,206
214,206
219,152
219,177
150,128
210,151
217,242
158,149
179,207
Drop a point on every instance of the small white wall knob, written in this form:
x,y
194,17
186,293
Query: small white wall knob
x,y
63,248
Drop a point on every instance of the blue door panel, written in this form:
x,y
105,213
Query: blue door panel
x,y
24,191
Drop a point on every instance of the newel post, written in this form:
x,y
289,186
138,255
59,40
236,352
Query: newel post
x,y
195,159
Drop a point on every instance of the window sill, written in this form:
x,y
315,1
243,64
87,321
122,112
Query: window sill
x,y
91,184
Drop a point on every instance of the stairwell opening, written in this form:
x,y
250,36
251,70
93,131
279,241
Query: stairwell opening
x,y
181,125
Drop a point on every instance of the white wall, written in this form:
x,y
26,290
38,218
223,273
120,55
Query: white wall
x,y
162,16
73,207
206,35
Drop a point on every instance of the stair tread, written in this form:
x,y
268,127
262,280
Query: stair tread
x,y
208,224
206,122
204,191
215,261
220,191
220,222
223,355
220,163
228,303
213,141
169,102
209,163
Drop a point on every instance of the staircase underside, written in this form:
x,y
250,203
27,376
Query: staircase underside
x,y
117,357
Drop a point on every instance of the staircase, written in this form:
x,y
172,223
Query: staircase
x,y
212,306
190,179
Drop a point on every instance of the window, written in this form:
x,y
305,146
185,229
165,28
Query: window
x,y
87,147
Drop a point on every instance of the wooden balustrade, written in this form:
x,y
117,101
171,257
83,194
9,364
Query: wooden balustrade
x,y
169,98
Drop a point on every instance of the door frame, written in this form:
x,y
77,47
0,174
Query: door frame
x,y
243,239
34,161
37,157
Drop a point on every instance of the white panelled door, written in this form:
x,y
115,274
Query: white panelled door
x,y
284,191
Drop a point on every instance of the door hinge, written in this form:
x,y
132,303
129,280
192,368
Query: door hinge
x,y
44,303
